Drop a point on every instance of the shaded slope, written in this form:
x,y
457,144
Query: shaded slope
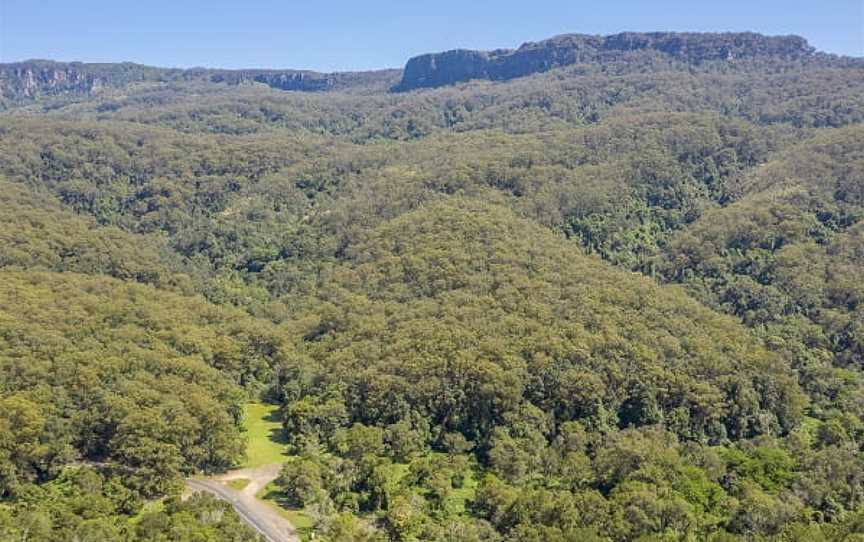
x,y
787,259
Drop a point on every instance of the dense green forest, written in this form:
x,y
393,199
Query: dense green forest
x,y
621,299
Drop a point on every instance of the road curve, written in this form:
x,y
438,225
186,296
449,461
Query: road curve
x,y
253,512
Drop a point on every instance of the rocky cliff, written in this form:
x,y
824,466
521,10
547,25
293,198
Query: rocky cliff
x,y
29,81
35,79
437,69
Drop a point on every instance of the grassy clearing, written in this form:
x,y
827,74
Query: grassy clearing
x,y
460,497
239,484
264,431
267,446
301,521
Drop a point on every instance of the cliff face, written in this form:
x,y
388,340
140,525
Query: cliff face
x,y
31,80
438,69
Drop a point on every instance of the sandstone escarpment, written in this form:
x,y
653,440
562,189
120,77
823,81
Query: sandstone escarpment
x,y
438,69
35,79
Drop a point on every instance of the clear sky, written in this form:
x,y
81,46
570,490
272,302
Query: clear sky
x,y
364,34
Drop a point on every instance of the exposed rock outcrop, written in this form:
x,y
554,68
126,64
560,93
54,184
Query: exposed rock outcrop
x,y
438,69
26,80
34,79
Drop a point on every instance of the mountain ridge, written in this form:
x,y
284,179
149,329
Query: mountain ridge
x,y
616,301
36,78
459,65
33,79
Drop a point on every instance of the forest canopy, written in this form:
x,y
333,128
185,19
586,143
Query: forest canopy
x,y
613,299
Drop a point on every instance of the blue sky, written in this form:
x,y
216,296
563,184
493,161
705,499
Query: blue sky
x,y
341,35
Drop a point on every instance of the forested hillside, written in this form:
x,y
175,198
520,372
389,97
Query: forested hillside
x,y
592,288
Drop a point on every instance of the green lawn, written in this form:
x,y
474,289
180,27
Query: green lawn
x,y
264,430
239,484
267,446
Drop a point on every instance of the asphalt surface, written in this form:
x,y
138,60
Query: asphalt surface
x,y
253,512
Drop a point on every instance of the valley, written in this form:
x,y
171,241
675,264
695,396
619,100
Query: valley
x,y
587,288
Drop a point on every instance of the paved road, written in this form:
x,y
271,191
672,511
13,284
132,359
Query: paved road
x,y
253,512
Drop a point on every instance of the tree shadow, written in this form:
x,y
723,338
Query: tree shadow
x,y
276,434
279,497
290,510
